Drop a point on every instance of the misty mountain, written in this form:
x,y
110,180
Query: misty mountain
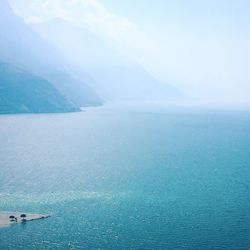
x,y
22,92
21,46
118,75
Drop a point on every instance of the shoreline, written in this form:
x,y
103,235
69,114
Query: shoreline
x,y
6,221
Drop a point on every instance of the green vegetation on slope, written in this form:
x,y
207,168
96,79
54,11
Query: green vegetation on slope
x,y
22,92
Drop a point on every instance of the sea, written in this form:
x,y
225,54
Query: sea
x,y
117,178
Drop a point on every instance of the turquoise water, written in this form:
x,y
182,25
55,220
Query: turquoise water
x,y
127,180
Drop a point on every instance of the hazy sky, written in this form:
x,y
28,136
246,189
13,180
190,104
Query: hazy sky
x,y
202,46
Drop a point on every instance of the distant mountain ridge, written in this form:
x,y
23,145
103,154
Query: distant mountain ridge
x,y
120,77
22,47
84,69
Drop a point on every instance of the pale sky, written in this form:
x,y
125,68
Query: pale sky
x,y
201,46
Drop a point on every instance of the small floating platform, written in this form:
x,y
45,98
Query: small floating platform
x,y
12,218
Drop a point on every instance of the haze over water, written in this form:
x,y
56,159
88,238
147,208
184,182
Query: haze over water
x,y
123,179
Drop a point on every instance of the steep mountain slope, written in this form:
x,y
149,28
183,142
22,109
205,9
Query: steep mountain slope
x,y
22,92
121,77
21,46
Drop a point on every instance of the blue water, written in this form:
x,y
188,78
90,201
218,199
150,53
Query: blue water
x,y
116,179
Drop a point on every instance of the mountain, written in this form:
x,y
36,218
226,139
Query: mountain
x,y
119,76
21,46
22,92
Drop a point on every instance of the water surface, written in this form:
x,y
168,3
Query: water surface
x,y
116,179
